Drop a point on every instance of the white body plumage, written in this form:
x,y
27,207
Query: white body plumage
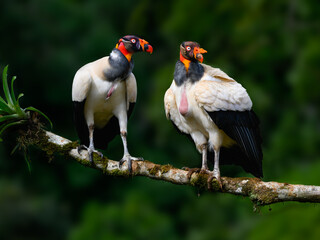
x,y
215,91
104,99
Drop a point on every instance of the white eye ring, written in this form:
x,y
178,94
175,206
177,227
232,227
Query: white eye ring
x,y
133,40
188,48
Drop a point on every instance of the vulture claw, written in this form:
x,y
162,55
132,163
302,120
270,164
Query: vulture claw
x,y
81,147
90,152
129,159
191,171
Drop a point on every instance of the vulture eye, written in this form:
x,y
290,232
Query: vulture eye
x,y
133,40
188,48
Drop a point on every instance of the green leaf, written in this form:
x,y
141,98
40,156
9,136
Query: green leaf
x,y
15,101
41,113
2,100
20,96
9,117
19,110
5,87
14,149
5,126
12,92
27,161
4,107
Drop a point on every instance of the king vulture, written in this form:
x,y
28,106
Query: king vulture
x,y
216,111
104,93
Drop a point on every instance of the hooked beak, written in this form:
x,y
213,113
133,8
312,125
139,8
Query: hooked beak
x,y
146,47
198,53
117,45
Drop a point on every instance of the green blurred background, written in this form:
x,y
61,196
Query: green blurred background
x,y
271,47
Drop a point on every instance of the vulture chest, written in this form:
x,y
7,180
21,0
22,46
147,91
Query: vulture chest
x,y
105,99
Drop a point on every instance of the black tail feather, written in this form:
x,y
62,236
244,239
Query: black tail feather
x,y
243,127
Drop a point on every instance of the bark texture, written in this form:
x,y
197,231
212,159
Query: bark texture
x,y
259,192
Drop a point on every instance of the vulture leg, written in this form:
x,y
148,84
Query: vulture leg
x,y
91,146
126,155
122,117
90,149
204,166
216,170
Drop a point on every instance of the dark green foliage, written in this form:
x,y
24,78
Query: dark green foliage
x,y
271,47
11,114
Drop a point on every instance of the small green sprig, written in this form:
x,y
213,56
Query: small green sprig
x,y
11,114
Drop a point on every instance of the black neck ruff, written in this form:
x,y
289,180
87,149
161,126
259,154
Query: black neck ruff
x,y
120,66
194,74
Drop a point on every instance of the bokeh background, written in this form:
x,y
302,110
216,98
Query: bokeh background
x,y
271,47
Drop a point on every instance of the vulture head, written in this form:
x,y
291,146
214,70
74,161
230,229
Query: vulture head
x,y
192,51
134,44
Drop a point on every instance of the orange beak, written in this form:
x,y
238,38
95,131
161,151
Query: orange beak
x,y
146,47
117,45
197,52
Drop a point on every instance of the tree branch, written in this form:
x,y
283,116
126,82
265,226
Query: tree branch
x,y
259,192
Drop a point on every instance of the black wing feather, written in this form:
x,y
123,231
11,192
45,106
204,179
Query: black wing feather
x,y
243,127
80,122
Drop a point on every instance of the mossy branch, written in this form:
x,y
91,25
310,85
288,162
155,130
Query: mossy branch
x,y
259,192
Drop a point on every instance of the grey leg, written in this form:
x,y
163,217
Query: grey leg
x,y
91,146
216,169
204,167
90,149
204,157
126,155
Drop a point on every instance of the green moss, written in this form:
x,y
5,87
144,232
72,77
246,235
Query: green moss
x,y
118,172
215,186
42,141
166,168
200,181
160,168
264,196
34,135
259,195
153,171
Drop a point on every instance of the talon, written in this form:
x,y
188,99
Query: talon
x,y
90,150
191,171
130,165
91,158
81,147
121,162
129,159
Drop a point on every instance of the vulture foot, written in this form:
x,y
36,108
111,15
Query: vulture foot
x,y
128,158
90,152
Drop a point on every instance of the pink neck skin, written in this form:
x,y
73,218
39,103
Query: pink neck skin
x,y
183,107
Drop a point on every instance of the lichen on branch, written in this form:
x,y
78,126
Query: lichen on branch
x,y
259,192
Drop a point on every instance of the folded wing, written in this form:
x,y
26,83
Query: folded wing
x,y
229,106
